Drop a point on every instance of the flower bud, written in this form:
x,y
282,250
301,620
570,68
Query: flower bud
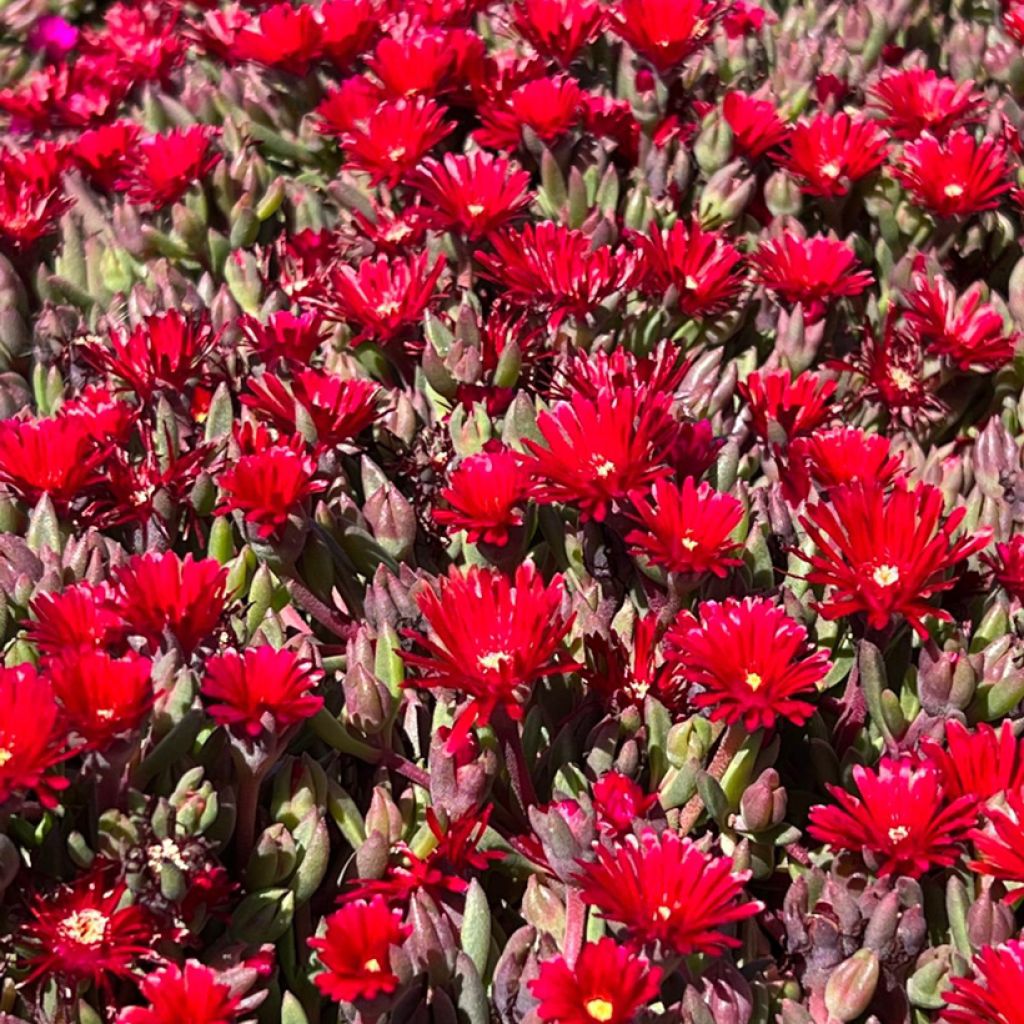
x,y
852,985
989,922
763,804
273,858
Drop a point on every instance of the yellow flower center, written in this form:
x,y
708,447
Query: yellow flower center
x,y
599,1009
104,714
664,912
753,680
831,170
388,308
373,966
691,282
5,756
86,927
901,379
886,575
688,542
898,833
603,467
397,152
475,209
953,191
493,660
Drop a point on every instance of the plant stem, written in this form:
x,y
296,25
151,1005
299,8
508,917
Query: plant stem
x,y
515,763
731,742
246,809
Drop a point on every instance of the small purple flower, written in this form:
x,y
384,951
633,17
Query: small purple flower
x,y
54,35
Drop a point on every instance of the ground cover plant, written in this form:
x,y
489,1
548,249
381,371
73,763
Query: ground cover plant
x,y
511,512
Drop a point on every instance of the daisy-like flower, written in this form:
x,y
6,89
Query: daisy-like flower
x,y
262,688
619,803
32,197
490,639
886,553
622,673
355,951
285,336
472,194
902,823
346,26
557,269
831,152
162,168
755,123
608,984
78,618
783,409
979,763
664,889
1000,844
965,330
383,296
596,452
102,154
751,659
666,32
912,101
837,456
486,494
548,107
102,697
163,352
954,176
1007,565
686,529
703,269
83,932
558,29
283,37
811,271
161,594
418,60
193,993
268,486
992,996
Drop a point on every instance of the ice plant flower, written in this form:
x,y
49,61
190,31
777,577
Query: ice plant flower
x,y
980,763
885,554
837,456
813,272
992,995
619,802
103,154
262,688
608,984
999,845
355,951
913,101
557,29
490,639
84,932
160,595
290,337
556,268
346,26
783,408
32,197
903,821
596,452
831,152
1007,565
955,176
269,486
174,994
664,889
548,107
703,269
666,32
162,168
471,194
102,697
755,123
686,528
288,38
486,495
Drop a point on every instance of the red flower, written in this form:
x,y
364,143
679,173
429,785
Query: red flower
x,y
557,29
32,197
966,330
422,60
74,620
666,32
349,107
665,889
491,640
472,194
886,554
355,951
486,495
195,994
993,996
102,697
622,674
165,351
1000,845
103,154
903,822
383,296
607,985
619,802
835,457
81,932
703,270
162,168
756,126
557,269
33,739
810,271
292,337
831,152
917,100
1008,566
395,138
955,176
549,107
687,529
751,659
981,763
263,688
598,451
781,408
284,37
346,26
164,594
268,486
